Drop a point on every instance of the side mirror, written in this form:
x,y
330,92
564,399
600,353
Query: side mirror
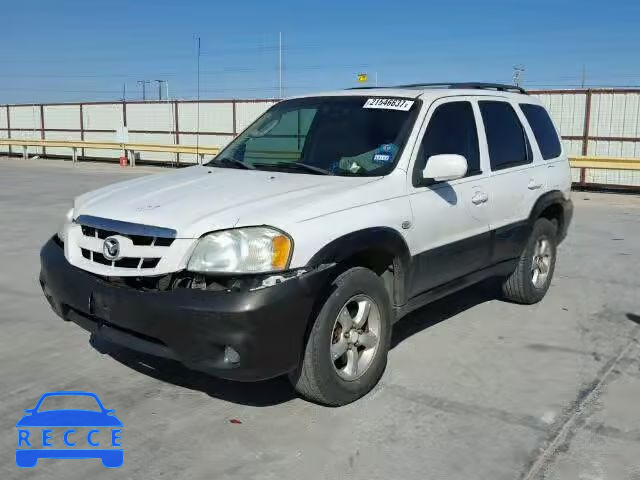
x,y
445,167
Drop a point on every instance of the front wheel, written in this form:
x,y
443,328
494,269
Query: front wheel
x,y
346,352
531,279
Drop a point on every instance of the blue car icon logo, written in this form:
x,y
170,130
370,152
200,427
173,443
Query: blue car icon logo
x,y
69,433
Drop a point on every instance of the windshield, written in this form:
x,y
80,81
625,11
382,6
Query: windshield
x,y
347,136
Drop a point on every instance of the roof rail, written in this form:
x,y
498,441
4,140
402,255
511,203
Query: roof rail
x,y
471,85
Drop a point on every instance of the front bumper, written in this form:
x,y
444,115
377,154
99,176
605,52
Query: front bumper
x,y
266,326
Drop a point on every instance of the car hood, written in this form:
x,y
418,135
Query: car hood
x,y
199,199
69,418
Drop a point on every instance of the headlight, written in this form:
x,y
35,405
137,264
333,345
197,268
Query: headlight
x,y
62,231
242,250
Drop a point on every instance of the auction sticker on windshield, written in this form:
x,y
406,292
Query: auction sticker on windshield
x,y
389,103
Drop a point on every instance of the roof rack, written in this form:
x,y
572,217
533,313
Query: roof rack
x,y
471,85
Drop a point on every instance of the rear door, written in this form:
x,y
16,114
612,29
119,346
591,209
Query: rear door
x,y
450,233
516,181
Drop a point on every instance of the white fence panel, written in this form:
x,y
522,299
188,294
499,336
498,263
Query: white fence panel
x,y
162,138
25,116
247,112
3,125
4,134
3,117
62,116
573,148
70,136
100,137
205,141
102,117
214,117
26,135
150,116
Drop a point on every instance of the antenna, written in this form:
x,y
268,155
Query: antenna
x,y
198,108
280,64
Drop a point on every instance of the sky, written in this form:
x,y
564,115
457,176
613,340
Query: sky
x,y
67,51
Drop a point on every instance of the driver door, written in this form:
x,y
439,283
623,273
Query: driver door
x,y
450,235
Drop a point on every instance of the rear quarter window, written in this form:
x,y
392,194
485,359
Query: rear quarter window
x,y
506,139
543,130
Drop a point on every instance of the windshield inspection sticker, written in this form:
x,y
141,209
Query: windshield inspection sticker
x,y
389,104
385,153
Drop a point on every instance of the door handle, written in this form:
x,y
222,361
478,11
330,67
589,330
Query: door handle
x,y
533,185
479,198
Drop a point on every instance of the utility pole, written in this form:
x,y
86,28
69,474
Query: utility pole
x,y
280,63
160,82
518,74
144,84
584,75
124,92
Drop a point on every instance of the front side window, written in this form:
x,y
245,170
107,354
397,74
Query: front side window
x,y
507,141
451,130
347,136
543,130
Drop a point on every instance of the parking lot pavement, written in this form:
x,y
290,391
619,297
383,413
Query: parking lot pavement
x,y
475,387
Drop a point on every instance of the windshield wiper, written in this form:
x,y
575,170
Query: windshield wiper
x,y
233,161
296,165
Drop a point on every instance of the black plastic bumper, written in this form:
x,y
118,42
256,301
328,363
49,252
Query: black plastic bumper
x,y
266,326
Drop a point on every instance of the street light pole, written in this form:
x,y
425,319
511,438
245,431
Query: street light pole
x,y
160,82
144,88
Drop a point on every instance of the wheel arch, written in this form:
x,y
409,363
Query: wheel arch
x,y
553,206
376,248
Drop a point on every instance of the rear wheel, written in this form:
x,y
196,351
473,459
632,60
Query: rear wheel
x,y
531,279
346,352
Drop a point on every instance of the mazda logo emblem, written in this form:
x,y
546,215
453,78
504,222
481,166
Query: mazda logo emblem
x,y
111,248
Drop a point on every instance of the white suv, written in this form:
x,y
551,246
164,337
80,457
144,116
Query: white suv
x,y
328,219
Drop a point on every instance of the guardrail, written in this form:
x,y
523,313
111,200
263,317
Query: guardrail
x,y
584,163
128,149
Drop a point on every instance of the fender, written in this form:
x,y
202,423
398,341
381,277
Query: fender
x,y
374,238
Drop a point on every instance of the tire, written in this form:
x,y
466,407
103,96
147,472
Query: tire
x,y
331,379
522,286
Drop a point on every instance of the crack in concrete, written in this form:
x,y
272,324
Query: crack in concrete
x,y
565,430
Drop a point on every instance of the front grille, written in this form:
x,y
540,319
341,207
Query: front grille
x,y
150,240
126,262
142,240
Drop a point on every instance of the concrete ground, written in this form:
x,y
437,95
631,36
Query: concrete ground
x,y
476,388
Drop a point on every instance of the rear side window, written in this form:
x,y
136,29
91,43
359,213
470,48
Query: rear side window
x,y
508,145
451,129
543,130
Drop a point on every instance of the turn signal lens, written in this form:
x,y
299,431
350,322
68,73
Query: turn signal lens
x,y
281,247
